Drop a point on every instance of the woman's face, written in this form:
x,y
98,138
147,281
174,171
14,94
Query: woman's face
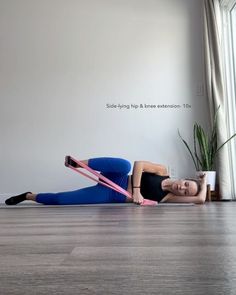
x,y
184,187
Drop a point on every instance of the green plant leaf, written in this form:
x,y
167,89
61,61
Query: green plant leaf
x,y
219,148
187,146
198,162
213,140
203,147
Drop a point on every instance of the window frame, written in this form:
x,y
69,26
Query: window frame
x,y
229,53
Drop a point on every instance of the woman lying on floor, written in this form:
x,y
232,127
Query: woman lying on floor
x,y
148,180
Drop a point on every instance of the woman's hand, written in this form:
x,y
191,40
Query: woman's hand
x,y
203,191
203,179
137,197
202,175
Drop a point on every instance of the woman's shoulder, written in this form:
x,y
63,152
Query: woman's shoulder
x,y
160,175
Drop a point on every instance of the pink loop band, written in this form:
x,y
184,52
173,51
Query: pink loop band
x,y
105,181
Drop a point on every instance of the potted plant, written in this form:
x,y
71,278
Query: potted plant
x,y
205,150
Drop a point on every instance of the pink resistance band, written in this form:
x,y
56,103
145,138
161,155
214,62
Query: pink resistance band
x,y
103,180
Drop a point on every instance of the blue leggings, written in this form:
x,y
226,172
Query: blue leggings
x,y
115,169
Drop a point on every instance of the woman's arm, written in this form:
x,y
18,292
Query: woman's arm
x,y
138,169
198,199
144,166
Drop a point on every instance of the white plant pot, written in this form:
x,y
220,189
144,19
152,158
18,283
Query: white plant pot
x,y
210,178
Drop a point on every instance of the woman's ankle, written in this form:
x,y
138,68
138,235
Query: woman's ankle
x,y
31,197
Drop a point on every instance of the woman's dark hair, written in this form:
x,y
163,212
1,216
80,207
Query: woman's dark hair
x,y
197,183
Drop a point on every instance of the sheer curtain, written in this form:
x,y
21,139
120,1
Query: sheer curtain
x,y
215,87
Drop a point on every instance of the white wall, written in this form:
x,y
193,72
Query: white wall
x,y
62,61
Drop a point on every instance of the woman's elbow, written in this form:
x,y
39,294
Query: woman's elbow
x,y
138,164
200,201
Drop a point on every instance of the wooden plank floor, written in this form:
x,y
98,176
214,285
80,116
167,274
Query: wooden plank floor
x,y
118,250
